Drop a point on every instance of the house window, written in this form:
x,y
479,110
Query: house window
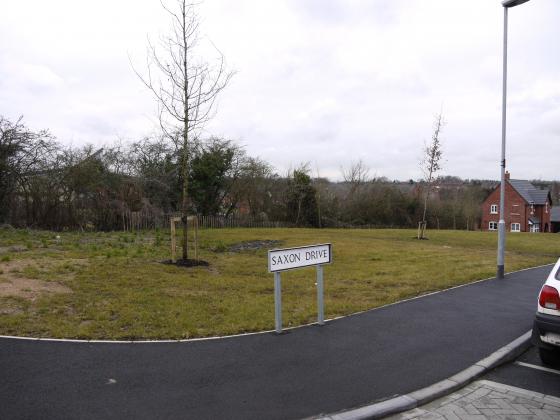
x,y
493,226
516,227
535,228
494,209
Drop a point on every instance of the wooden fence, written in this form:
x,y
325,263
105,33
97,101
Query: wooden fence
x,y
217,222
143,219
146,219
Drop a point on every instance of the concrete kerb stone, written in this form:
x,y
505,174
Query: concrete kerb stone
x,y
468,375
495,359
447,386
437,390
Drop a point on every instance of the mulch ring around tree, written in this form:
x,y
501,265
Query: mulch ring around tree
x,y
253,245
187,263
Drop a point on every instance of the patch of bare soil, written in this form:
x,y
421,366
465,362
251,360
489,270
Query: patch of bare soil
x,y
14,283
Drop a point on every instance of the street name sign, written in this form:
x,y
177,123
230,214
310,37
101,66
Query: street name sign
x,y
290,258
303,256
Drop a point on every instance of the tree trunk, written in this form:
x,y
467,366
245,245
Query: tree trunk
x,y
423,226
185,201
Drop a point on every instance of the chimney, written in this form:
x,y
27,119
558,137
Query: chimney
x,y
507,175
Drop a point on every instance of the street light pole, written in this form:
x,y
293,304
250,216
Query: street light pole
x,y
502,223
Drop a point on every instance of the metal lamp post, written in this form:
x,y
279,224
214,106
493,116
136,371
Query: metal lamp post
x,y
502,224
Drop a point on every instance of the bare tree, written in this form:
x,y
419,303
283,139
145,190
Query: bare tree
x,y
23,153
356,175
431,164
184,84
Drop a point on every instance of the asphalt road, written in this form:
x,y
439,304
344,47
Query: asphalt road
x,y
348,362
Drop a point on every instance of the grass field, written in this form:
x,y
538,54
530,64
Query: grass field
x,y
114,286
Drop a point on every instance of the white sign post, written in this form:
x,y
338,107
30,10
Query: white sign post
x,y
290,258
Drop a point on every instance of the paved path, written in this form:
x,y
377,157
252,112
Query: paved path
x,y
349,362
484,400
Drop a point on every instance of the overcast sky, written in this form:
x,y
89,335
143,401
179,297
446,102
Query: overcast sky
x,y
327,82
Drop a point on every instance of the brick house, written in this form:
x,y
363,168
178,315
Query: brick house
x,y
527,209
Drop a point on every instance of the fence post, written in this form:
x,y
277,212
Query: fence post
x,y
173,259
196,238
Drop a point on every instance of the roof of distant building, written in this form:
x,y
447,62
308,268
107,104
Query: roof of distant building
x,y
529,192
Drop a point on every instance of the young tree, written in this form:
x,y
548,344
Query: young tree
x,y
184,84
430,165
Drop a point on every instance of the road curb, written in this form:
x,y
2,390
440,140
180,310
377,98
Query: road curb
x,y
425,395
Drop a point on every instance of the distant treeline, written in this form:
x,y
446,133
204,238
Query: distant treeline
x,y
44,184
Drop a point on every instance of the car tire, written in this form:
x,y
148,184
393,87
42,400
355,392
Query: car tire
x,y
549,357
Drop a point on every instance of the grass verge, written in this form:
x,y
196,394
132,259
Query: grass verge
x,y
116,287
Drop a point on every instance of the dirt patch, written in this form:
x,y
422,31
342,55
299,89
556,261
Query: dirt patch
x,y
30,288
15,284
254,245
